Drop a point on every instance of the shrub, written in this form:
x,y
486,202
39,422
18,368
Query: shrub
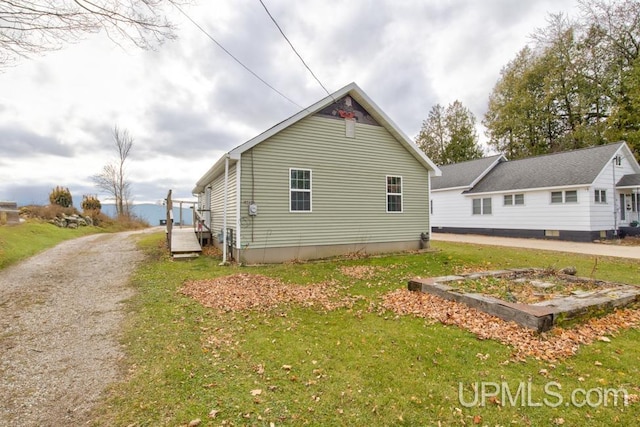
x,y
91,203
61,196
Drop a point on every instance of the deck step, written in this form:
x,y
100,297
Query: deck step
x,y
184,241
185,256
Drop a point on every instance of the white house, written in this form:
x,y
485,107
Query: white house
x,y
337,177
579,195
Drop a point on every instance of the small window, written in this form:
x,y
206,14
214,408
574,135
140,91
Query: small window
x,y
394,194
600,196
481,206
486,206
513,199
300,190
571,196
477,206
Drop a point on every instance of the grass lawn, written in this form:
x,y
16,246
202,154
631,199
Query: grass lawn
x,y
359,365
23,240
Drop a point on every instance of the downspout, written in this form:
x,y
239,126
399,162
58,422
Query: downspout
x,y
615,197
224,209
429,203
238,199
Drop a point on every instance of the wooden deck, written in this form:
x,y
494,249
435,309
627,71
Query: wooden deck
x,y
184,243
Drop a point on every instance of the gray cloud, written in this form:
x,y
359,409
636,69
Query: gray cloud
x,y
183,133
16,142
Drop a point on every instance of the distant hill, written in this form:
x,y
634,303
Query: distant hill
x,y
153,213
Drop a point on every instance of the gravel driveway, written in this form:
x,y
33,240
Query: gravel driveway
x,y
60,315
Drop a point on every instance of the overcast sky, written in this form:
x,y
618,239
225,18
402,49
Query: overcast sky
x,y
187,103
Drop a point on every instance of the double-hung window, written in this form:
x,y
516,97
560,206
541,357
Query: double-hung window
x,y
600,196
299,190
481,206
394,194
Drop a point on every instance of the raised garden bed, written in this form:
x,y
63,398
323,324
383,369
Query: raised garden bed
x,y
534,298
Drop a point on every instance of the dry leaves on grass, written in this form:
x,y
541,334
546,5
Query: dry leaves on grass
x,y
257,292
556,344
361,272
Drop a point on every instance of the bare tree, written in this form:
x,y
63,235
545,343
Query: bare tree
x,y
29,27
113,178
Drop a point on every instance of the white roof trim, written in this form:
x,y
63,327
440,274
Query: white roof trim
x,y
529,190
357,94
487,170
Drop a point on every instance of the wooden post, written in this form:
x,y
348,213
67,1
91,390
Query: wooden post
x,y
169,219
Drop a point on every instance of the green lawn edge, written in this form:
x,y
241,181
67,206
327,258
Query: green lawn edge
x,y
351,366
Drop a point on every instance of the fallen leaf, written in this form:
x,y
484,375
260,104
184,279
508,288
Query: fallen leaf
x,y
256,392
213,413
477,419
195,423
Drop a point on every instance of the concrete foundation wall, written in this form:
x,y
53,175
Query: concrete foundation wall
x,y
569,235
300,253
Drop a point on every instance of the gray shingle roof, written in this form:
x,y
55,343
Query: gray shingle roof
x,y
631,180
462,174
568,168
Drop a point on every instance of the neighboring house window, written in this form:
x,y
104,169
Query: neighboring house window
x,y
481,206
601,196
300,190
569,196
513,199
394,194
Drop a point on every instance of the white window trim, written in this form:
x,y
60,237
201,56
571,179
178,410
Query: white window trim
x,y
600,191
564,197
512,197
482,212
387,194
310,190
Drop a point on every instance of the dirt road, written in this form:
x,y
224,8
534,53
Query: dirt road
x,y
60,315
600,249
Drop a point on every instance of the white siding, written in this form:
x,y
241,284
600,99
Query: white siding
x,y
453,209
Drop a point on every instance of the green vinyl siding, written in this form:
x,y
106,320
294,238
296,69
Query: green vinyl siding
x,y
217,201
349,189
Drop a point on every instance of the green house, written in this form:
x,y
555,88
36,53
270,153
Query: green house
x,y
338,177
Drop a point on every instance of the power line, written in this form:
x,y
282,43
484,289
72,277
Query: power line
x,y
236,59
294,49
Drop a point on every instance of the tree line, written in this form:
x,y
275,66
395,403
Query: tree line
x,y
576,85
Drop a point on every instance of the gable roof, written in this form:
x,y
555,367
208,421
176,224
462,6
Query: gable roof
x,y
631,180
569,168
465,174
359,96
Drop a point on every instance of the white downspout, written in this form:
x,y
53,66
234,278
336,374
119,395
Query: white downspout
x,y
429,204
224,209
238,199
